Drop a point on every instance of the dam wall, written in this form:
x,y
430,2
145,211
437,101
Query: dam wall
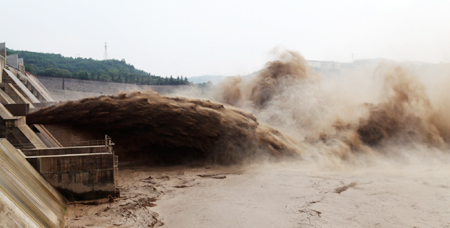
x,y
2,62
26,199
36,87
16,131
83,176
5,98
13,60
3,50
78,172
21,66
11,78
68,136
66,95
2,57
105,88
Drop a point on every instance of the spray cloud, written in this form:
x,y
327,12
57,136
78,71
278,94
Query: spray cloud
x,y
340,117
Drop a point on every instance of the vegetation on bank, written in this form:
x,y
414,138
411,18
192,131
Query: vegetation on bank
x,y
111,70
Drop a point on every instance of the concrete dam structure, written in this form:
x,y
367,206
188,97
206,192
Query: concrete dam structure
x,y
26,199
78,172
73,89
43,167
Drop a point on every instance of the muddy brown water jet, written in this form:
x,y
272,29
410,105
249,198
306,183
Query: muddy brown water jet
x,y
169,130
402,114
405,114
288,69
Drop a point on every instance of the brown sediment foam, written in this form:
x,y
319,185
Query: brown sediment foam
x,y
404,115
167,129
230,90
290,68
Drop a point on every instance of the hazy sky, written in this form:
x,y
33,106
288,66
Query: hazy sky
x,y
192,38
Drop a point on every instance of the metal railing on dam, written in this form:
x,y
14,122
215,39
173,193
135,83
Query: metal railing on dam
x,y
87,143
107,142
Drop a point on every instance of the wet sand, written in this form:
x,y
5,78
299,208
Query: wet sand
x,y
274,195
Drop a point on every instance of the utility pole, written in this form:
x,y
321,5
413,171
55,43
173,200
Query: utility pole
x,y
106,52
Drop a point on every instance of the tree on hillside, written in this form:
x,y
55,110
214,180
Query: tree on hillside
x,y
56,65
29,68
54,72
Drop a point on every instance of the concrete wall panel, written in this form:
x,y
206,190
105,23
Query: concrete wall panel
x,y
30,193
96,87
78,176
11,78
11,215
37,88
2,66
13,60
5,98
75,163
3,50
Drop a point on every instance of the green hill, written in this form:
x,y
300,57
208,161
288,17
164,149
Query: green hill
x,y
56,65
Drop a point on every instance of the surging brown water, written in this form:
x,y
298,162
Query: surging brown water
x,y
288,95
405,114
169,130
291,67
271,80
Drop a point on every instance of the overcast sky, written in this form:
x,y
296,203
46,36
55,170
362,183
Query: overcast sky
x,y
192,38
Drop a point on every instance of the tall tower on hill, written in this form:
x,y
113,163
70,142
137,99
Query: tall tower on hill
x,y
106,52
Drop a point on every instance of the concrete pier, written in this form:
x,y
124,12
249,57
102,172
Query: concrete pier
x,y
79,173
2,57
12,79
26,199
13,61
